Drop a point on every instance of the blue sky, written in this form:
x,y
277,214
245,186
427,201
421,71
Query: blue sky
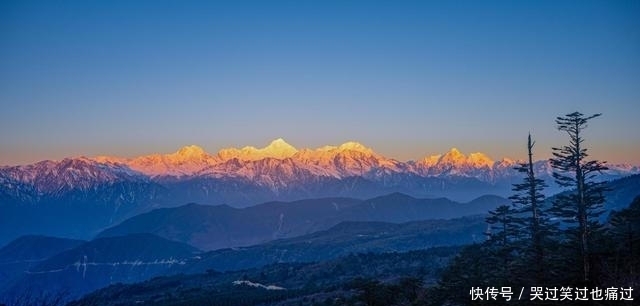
x,y
407,78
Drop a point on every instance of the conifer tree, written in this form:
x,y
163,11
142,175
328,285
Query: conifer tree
x,y
503,240
528,200
580,207
472,267
625,234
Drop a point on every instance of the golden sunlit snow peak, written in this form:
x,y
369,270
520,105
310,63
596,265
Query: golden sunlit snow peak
x,y
349,158
278,149
191,150
354,146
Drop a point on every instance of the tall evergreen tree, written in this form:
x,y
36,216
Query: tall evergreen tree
x,y
532,218
625,234
502,244
472,267
580,207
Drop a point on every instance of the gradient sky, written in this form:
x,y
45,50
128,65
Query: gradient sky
x,y
406,78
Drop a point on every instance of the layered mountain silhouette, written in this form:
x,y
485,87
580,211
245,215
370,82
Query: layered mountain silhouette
x,y
85,266
27,252
216,227
345,238
80,267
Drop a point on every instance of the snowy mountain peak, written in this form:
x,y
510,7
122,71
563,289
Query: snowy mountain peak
x,y
191,151
278,167
507,161
81,173
279,149
432,160
278,142
479,160
457,163
354,146
104,159
186,161
454,156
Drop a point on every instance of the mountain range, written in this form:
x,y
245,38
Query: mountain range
x,y
98,192
279,164
278,170
215,227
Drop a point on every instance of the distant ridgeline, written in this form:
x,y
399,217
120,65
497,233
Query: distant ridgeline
x,y
78,197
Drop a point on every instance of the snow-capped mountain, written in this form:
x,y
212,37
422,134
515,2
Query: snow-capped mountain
x,y
454,163
72,197
278,149
77,179
101,191
348,159
70,174
186,161
281,162
276,167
